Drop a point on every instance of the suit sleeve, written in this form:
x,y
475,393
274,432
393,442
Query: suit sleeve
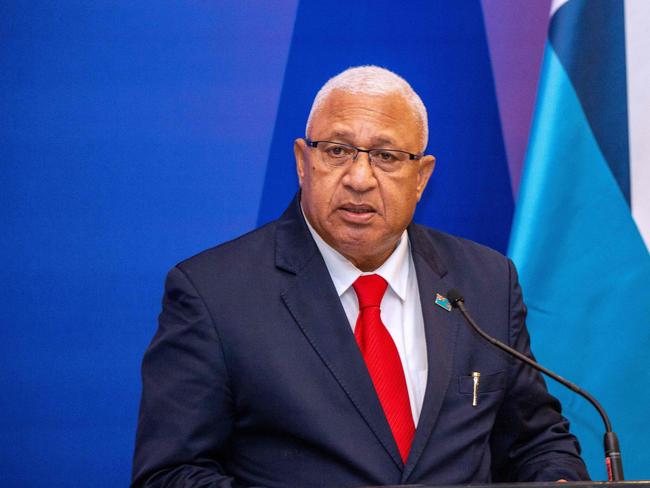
x,y
531,439
186,411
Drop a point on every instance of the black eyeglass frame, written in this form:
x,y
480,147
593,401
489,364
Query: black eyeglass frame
x,y
412,157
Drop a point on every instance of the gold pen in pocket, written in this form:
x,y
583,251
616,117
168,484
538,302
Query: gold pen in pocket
x,y
476,376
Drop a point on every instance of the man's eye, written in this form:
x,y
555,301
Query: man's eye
x,y
338,151
386,157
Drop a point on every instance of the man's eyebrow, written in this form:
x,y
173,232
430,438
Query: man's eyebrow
x,y
348,137
382,141
342,134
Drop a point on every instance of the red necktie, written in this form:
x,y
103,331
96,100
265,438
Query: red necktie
x,y
382,360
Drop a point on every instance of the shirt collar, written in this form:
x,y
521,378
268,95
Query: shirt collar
x,y
395,269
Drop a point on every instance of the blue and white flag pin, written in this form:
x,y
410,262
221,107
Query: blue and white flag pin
x,y
443,302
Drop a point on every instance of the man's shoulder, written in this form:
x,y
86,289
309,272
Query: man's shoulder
x,y
451,248
246,252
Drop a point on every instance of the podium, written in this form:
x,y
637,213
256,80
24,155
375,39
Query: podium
x,y
534,484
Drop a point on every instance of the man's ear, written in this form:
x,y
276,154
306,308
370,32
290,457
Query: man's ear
x,y
299,148
426,165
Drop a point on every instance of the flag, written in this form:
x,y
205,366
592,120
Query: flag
x,y
582,222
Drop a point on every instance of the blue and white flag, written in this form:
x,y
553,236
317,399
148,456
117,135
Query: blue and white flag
x,y
582,224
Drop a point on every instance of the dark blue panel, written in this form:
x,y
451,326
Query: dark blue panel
x,y
589,38
127,132
442,51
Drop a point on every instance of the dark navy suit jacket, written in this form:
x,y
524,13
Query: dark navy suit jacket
x,y
254,377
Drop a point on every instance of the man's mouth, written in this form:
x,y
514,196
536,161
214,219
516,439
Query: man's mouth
x,y
357,213
358,208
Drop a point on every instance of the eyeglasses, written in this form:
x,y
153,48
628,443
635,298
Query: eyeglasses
x,y
337,154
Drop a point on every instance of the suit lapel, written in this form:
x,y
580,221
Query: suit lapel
x,y
314,303
440,327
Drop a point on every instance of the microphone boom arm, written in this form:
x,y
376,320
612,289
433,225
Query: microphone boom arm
x,y
613,460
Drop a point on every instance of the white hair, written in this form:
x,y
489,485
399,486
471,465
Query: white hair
x,y
373,80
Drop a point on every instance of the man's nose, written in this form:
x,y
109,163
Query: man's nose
x,y
360,175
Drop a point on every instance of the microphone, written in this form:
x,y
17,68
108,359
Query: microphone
x,y
613,461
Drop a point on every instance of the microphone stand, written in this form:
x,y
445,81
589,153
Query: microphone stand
x,y
613,460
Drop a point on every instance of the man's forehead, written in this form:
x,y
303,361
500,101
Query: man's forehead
x,y
388,118
388,106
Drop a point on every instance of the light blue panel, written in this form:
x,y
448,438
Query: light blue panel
x,y
585,273
132,135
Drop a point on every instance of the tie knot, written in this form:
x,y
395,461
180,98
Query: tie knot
x,y
370,290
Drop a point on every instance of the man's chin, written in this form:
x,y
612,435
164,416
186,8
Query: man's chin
x,y
364,252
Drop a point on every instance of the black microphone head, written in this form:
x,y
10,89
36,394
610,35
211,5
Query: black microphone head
x,y
454,296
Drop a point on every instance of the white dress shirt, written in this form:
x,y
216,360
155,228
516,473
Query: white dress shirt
x,y
401,310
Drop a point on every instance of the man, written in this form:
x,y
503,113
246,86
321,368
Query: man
x,y
319,350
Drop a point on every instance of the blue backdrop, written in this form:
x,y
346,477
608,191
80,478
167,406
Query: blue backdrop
x,y
135,134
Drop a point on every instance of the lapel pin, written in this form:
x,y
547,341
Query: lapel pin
x,y
443,302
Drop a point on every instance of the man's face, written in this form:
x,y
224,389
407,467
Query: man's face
x,y
359,210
